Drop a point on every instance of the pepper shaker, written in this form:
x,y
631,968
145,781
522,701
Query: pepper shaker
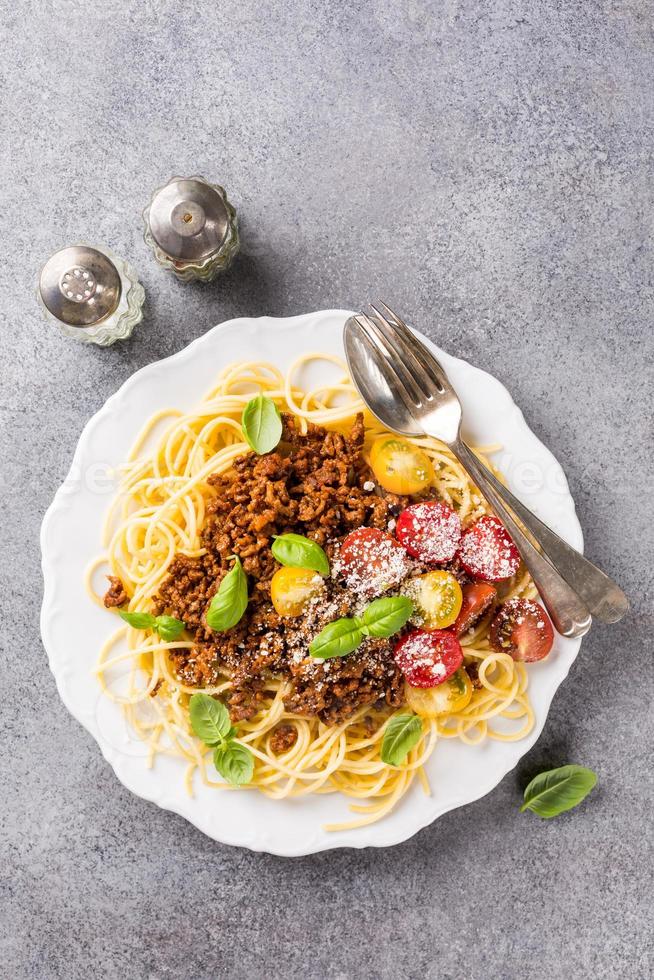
x,y
91,294
192,228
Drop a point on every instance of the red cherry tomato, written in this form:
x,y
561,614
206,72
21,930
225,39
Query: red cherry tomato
x,y
487,551
372,561
428,659
478,597
430,531
522,628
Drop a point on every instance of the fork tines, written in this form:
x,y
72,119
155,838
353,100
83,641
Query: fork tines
x,y
389,331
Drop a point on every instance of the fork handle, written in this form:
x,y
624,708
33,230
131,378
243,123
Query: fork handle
x,y
604,599
567,610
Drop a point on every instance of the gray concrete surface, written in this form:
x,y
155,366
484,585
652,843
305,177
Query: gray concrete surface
x,y
487,167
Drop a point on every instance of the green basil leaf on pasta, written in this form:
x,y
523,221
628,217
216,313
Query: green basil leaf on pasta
x,y
401,734
168,628
557,790
337,639
300,552
383,617
138,620
386,616
234,762
230,601
209,719
261,424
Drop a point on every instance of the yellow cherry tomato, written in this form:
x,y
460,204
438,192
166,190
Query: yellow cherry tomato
x,y
437,599
450,697
291,589
400,466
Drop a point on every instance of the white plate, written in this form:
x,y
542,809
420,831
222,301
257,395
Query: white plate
x,y
73,628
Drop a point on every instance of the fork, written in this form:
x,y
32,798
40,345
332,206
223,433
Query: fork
x,y
406,388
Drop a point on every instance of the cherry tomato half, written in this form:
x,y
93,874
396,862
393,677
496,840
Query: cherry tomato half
x,y
448,698
487,551
436,598
430,531
428,659
399,466
372,561
522,628
292,588
477,598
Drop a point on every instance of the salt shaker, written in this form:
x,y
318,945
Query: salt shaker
x,y
192,228
91,294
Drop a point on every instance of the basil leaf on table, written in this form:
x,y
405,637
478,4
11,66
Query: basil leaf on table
x,y
234,762
386,616
168,628
402,733
261,424
209,718
337,639
300,552
557,790
230,601
138,621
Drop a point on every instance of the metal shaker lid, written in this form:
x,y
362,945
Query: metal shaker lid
x,y
80,286
188,219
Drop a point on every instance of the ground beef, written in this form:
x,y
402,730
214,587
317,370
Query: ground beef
x,y
366,677
282,739
458,571
115,594
313,485
472,670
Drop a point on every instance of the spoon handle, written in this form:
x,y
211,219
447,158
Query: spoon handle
x,y
567,611
605,600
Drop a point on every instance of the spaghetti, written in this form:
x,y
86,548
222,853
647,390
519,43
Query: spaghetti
x,y
159,513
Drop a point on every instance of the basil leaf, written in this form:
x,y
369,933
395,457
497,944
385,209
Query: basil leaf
x,y
402,733
168,628
234,762
230,601
138,621
300,552
386,616
261,424
383,617
337,639
209,718
558,790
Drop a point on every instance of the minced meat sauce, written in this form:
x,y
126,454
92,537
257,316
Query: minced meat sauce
x,y
115,596
317,485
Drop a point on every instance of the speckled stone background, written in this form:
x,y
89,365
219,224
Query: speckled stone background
x,y
487,168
